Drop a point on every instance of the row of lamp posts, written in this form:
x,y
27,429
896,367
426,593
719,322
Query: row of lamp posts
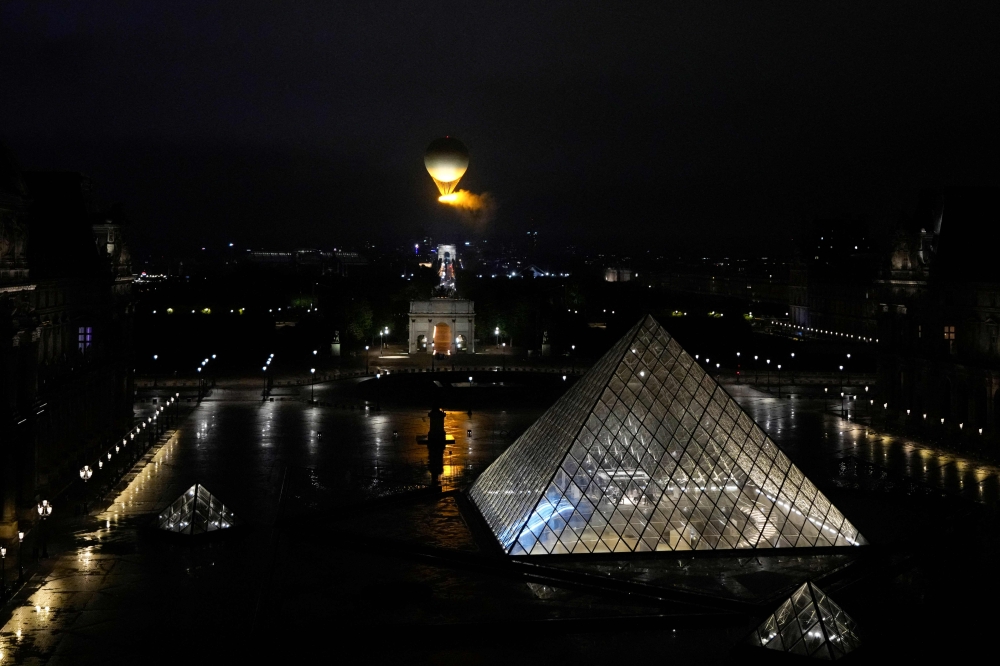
x,y
86,472
44,511
45,508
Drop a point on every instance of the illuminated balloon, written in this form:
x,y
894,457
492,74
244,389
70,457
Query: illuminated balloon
x,y
446,161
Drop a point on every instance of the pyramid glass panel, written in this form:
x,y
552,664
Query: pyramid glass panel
x,y
197,511
808,623
663,458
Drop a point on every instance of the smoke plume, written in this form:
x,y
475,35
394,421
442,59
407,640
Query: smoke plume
x,y
475,209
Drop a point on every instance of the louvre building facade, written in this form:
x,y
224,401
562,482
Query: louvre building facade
x,y
65,333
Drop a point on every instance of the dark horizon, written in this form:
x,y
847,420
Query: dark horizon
x,y
713,131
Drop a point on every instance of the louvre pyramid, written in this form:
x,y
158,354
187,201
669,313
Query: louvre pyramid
x,y
648,453
195,512
809,623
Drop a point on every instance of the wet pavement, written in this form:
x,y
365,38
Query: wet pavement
x,y
814,435
340,536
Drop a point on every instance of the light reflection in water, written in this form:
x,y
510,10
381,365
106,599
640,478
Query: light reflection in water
x,y
926,464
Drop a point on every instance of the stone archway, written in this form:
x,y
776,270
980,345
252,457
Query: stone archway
x,y
442,338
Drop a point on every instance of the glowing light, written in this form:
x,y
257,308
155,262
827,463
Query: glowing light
x,y
446,160
465,200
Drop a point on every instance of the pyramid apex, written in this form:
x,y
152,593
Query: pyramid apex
x,y
196,511
808,623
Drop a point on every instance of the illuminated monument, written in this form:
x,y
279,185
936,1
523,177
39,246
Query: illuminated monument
x,y
197,511
810,624
648,453
444,324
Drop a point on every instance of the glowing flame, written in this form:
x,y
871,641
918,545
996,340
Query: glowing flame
x,y
465,199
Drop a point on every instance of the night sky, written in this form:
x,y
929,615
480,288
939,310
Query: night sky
x,y
701,126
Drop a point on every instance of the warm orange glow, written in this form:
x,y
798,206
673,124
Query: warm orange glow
x,y
445,186
447,160
464,199
442,338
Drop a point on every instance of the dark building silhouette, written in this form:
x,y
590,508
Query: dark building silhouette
x,y
831,281
66,377
939,315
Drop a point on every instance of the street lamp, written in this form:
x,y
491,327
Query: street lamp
x,y
366,360
20,549
86,473
738,368
841,378
263,393
768,374
503,359
779,380
44,511
3,572
312,386
755,369
572,355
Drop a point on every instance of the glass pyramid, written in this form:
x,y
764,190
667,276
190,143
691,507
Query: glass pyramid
x,y
648,453
195,512
809,623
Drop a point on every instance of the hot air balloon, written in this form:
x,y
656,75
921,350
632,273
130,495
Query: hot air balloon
x,y
446,160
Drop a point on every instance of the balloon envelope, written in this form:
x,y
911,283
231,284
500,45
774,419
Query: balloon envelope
x,y
446,160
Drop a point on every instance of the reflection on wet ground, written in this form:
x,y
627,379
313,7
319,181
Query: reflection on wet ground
x,y
116,577
435,522
740,578
339,480
813,435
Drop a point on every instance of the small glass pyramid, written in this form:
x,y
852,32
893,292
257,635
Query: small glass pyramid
x,y
648,453
809,623
195,512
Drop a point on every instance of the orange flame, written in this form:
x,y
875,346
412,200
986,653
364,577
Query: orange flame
x,y
465,199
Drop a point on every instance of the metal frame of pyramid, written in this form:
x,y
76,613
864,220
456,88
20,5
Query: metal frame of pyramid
x,y
648,453
197,511
810,624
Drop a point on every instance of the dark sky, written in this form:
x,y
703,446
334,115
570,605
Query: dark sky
x,y
705,125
